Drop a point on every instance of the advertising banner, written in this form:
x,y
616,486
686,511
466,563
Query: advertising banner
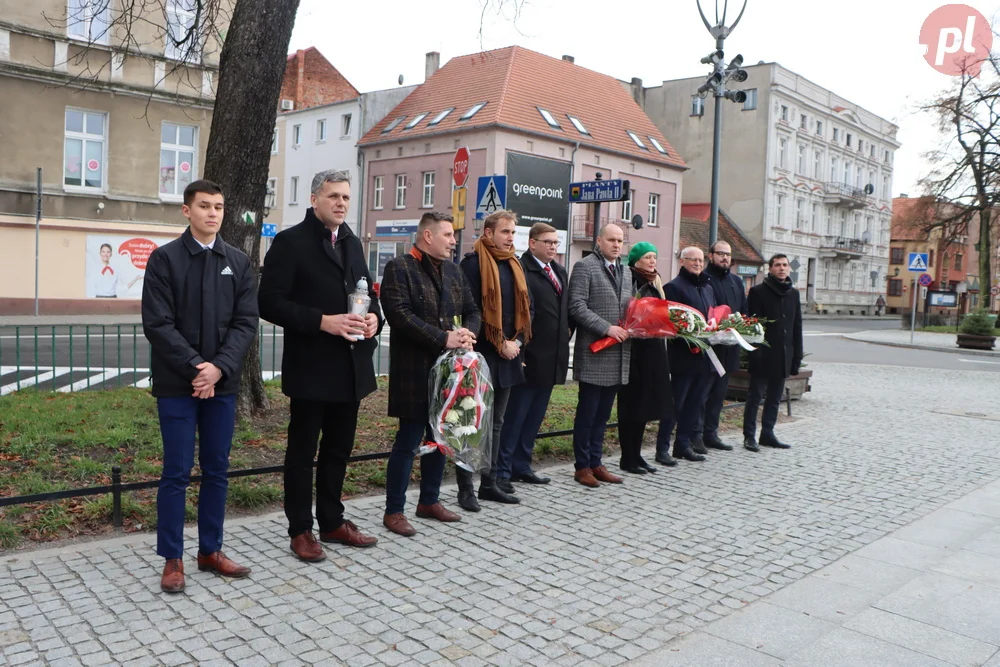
x,y
538,191
116,265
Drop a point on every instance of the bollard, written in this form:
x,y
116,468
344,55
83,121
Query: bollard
x,y
116,496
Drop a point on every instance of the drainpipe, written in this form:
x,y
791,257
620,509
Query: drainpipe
x,y
569,232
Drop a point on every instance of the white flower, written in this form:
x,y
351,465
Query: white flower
x,y
468,403
452,417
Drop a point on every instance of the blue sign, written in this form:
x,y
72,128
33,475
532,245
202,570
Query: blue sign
x,y
595,191
396,227
918,262
925,280
491,195
269,230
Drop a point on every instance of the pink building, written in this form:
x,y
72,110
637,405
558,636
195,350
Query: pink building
x,y
540,121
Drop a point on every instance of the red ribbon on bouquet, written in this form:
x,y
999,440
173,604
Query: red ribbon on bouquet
x,y
646,317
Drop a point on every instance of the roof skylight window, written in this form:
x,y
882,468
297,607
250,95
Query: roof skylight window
x,y
637,140
549,118
657,145
392,126
473,111
441,116
416,119
577,124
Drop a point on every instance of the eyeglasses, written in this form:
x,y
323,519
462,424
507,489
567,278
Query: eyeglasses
x,y
696,260
723,254
551,244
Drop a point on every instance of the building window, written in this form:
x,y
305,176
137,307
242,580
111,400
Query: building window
x,y
826,273
784,113
833,168
177,155
657,145
379,190
930,259
654,207
83,159
958,261
888,157
817,165
416,120
871,150
847,173
88,20
885,187
836,134
779,209
802,159
829,220
636,139
800,216
392,126
751,102
697,105
871,178
814,223
293,191
271,196
627,206
819,127
428,189
400,190
895,255
549,119
473,110
274,141
859,183
296,135
321,129
578,124
183,40
782,153
895,287
440,117
803,122
848,140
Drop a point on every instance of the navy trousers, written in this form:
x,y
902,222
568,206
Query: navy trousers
x,y
690,393
214,421
411,434
525,413
592,412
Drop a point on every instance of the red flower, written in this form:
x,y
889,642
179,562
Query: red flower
x,y
695,350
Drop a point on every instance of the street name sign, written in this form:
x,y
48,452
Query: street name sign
x,y
587,192
269,230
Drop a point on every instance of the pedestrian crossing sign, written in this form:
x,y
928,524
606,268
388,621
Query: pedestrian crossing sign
x,y
918,262
492,195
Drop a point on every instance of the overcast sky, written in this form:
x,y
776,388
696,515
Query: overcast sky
x,y
864,50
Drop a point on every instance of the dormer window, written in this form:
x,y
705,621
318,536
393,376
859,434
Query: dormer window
x,y
657,145
577,124
636,139
416,119
393,125
552,122
473,111
441,116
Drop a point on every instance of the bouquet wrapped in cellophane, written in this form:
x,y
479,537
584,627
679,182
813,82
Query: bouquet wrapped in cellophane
x,y
739,329
461,409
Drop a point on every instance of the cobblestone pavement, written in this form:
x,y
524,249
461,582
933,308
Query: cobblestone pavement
x,y
570,577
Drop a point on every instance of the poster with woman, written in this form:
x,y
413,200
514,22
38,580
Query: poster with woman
x,y
116,265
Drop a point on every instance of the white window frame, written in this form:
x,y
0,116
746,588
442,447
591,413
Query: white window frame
x,y
86,138
80,16
628,205
416,120
803,122
272,187
847,140
428,189
440,117
178,15
321,130
784,112
400,191
178,148
818,165
836,134
814,222
751,102
549,119
697,105
635,138
779,209
834,168
578,124
275,146
345,124
800,207
654,210
782,153
296,135
802,159
378,190
819,127
293,191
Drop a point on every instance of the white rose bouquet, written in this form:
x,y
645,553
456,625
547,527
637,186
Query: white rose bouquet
x,y
461,407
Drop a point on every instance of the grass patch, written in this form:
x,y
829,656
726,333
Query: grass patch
x,y
255,494
10,536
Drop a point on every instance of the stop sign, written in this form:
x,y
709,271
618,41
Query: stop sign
x,y
460,171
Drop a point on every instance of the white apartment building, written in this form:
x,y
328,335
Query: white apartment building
x,y
804,172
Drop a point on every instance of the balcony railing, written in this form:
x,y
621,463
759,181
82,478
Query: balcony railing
x,y
838,192
844,245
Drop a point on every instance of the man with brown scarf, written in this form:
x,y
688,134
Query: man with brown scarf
x,y
502,296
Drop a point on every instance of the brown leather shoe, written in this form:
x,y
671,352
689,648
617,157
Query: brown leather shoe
x,y
348,534
173,576
398,524
219,564
437,511
586,477
305,546
602,474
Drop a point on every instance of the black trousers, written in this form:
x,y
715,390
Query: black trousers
x,y
771,389
709,428
337,422
630,438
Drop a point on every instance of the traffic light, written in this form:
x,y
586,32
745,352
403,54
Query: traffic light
x,y
710,83
713,58
737,96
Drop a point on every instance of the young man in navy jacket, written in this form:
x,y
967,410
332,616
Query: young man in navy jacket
x,y
199,313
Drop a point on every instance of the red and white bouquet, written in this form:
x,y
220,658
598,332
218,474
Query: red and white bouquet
x,y
461,409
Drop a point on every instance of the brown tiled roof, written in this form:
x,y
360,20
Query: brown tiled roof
x,y
694,232
311,81
514,82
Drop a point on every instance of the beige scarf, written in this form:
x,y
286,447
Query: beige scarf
x,y
489,276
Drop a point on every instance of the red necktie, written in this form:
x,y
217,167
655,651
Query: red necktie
x,y
333,239
552,279
611,270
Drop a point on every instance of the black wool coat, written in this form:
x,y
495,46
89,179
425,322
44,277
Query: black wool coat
x,y
729,291
303,278
546,356
778,302
691,290
647,396
420,307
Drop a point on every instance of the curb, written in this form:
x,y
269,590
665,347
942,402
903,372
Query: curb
x,y
930,348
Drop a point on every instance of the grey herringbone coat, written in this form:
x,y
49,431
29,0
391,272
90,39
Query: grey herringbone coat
x,y
596,302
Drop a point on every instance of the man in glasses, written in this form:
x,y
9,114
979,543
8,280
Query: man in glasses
x,y
729,291
546,357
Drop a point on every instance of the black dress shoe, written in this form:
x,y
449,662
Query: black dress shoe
x,y
633,470
688,455
771,441
530,478
666,460
699,447
751,444
505,485
713,442
488,490
643,463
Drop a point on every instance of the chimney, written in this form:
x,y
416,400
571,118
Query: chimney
x,y
903,195
638,92
432,64
300,76
569,59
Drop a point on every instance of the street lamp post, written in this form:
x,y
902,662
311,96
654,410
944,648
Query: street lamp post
x,y
716,83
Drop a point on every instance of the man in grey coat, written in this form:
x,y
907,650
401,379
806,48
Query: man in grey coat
x,y
599,290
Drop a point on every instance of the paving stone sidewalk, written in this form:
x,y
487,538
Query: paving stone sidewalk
x,y
922,340
571,577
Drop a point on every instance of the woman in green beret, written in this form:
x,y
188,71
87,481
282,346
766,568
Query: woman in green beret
x,y
647,395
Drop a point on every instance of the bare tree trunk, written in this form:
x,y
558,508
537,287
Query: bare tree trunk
x,y
239,147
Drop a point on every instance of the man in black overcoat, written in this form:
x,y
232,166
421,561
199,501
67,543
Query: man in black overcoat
x,y
777,301
326,365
